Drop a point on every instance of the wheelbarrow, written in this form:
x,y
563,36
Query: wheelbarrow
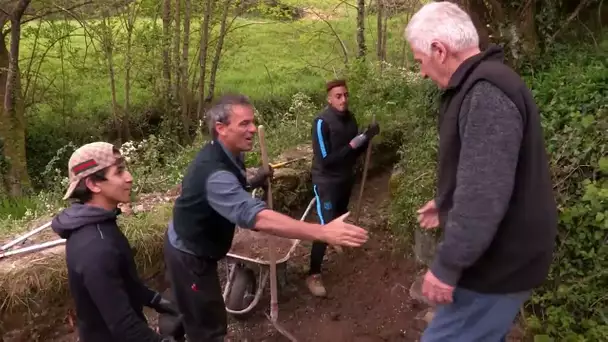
x,y
247,277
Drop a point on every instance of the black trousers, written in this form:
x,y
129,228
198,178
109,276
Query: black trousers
x,y
332,201
198,294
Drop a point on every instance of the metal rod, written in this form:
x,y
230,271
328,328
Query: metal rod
x,y
25,236
281,164
33,248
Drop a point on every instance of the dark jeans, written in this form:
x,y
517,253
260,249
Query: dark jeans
x,y
198,295
332,201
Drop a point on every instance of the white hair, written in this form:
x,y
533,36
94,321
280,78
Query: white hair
x,y
442,21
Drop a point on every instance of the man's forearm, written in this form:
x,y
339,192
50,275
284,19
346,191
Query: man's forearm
x,y
275,223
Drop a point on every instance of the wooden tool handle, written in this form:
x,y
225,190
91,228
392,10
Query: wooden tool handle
x,y
368,155
274,305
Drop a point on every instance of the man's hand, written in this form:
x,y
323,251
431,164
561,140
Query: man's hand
x,y
372,130
163,306
436,291
428,215
338,232
260,177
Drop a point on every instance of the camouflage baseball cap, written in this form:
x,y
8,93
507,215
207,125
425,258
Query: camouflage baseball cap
x,y
87,160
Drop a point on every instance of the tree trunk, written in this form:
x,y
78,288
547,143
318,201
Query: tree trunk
x,y
130,26
361,29
218,52
166,54
384,34
203,57
479,14
12,116
176,52
380,9
184,73
108,46
527,29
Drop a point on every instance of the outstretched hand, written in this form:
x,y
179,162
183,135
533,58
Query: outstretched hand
x,y
338,232
428,215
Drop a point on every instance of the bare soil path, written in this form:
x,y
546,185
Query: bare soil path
x,y
368,288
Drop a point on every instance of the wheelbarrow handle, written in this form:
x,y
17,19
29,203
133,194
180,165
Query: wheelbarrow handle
x,y
274,305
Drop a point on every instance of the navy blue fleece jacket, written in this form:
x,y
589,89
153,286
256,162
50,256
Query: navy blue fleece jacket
x,y
103,280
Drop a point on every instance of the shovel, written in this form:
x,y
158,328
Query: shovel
x,y
368,155
274,303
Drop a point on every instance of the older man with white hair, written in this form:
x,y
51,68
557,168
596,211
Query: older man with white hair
x,y
494,196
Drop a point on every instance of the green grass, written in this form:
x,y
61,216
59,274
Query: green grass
x,y
265,59
262,58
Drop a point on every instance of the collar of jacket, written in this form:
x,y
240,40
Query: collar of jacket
x,y
239,161
341,115
493,52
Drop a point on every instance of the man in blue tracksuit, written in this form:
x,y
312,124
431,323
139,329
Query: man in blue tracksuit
x,y
336,145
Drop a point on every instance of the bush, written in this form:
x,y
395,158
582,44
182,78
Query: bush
x,y
572,94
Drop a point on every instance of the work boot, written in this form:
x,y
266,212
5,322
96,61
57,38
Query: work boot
x,y
315,285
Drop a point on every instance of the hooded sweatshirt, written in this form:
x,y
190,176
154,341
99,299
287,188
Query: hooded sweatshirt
x,y
108,293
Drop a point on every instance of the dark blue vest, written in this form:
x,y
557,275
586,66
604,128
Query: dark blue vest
x,y
203,230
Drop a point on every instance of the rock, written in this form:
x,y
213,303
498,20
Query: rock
x,y
394,182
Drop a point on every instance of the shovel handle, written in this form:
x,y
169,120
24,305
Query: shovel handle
x,y
368,155
274,305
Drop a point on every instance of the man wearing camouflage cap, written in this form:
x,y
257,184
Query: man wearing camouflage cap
x,y
107,291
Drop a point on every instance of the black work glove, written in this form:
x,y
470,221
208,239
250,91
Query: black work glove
x,y
260,177
163,306
372,130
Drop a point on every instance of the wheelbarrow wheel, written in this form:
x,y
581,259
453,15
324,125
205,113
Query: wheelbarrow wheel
x,y
243,290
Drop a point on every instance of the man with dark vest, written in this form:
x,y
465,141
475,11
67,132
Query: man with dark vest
x,y
336,144
494,198
214,199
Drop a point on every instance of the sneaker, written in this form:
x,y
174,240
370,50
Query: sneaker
x,y
315,285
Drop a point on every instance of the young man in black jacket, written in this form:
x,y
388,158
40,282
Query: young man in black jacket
x,y
108,293
494,197
336,146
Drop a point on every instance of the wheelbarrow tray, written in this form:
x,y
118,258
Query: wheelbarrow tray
x,y
246,259
241,276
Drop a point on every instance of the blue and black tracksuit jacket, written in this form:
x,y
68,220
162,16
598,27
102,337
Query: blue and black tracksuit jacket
x,y
333,161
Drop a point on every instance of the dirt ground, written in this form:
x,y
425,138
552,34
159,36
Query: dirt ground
x,y
254,245
368,290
